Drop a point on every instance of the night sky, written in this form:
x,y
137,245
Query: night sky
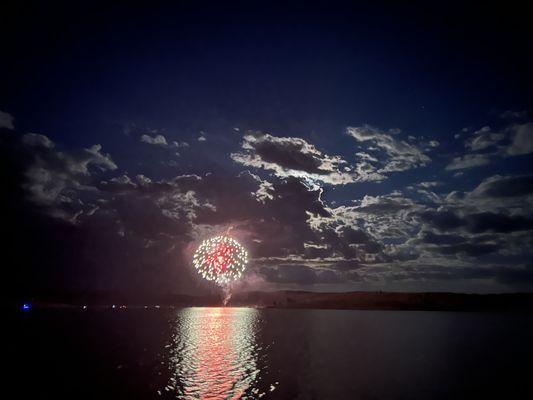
x,y
348,147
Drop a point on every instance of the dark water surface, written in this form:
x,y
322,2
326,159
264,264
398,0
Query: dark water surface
x,y
230,353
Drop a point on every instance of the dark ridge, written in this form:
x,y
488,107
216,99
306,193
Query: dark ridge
x,y
294,299
385,301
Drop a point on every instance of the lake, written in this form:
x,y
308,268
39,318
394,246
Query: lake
x,y
230,353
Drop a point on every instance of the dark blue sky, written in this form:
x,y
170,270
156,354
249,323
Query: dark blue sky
x,y
418,107
294,69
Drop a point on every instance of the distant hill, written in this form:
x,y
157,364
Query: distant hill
x,y
296,299
384,300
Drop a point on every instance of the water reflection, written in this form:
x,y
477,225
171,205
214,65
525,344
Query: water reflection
x,y
213,354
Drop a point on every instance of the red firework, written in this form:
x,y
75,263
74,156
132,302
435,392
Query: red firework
x,y
221,259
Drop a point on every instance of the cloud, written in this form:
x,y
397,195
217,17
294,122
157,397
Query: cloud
x,y
509,114
265,190
37,140
290,156
6,120
442,220
510,194
518,276
295,157
54,179
155,140
469,249
295,234
491,222
522,140
498,186
486,144
483,138
439,239
298,274
119,184
468,161
396,154
478,222
429,184
359,232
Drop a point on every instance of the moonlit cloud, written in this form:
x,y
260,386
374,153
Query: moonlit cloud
x,y
468,161
522,140
483,138
56,179
393,153
297,234
295,157
37,140
341,148
485,144
155,140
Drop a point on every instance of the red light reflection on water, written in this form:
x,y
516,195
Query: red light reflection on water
x,y
214,353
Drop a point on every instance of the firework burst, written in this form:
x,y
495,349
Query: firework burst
x,y
221,259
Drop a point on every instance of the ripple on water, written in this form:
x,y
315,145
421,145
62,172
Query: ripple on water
x,y
214,354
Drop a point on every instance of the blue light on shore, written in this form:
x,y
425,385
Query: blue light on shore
x,y
26,307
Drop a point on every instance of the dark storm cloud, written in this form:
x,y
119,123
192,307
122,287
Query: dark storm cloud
x,y
470,249
442,220
355,236
490,222
478,222
506,186
348,236
435,238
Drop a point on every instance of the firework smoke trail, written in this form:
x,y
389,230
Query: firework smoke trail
x,y
227,295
